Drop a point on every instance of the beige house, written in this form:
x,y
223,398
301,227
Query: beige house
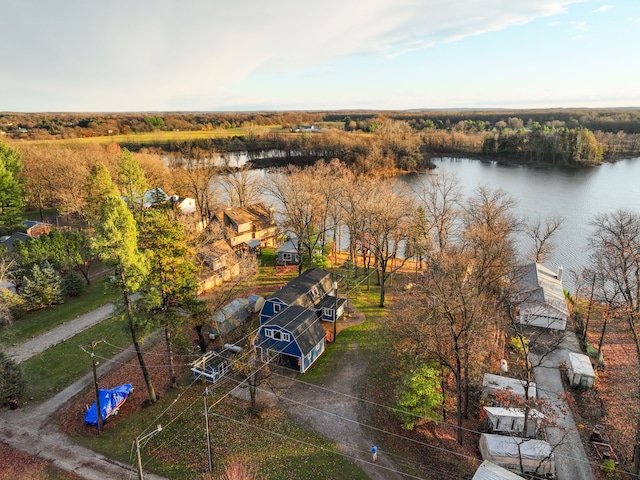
x,y
219,264
241,225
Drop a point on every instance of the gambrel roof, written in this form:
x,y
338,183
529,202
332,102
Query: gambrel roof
x,y
302,323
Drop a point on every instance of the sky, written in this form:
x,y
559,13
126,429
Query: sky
x,y
270,55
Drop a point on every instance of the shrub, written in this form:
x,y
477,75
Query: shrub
x,y
73,284
419,394
11,307
517,343
11,381
608,466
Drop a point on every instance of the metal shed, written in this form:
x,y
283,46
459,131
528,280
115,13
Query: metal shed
x,y
491,471
511,420
580,371
518,454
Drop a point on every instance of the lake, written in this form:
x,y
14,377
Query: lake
x,y
575,194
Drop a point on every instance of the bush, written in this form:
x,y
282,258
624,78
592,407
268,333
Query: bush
x,y
608,466
73,284
11,307
11,382
517,342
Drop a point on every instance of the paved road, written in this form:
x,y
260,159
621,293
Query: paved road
x,y
572,462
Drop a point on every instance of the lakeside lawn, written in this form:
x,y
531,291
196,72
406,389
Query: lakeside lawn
x,y
40,321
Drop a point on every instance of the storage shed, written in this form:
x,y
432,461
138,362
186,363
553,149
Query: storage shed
x,y
494,383
580,371
520,455
542,298
491,471
511,420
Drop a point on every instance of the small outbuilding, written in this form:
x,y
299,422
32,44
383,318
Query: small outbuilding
x,y
492,384
511,420
288,253
580,371
491,471
522,455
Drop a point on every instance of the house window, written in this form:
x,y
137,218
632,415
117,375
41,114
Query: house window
x,y
327,312
286,257
314,291
277,307
269,333
276,334
286,337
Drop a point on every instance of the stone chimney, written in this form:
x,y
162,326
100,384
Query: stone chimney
x,y
559,275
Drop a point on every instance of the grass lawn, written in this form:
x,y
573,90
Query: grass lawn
x,y
167,136
56,368
42,320
275,446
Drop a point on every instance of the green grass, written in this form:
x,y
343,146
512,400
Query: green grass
x,y
167,136
56,368
43,320
273,444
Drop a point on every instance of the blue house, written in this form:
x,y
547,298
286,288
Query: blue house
x,y
293,337
307,290
288,253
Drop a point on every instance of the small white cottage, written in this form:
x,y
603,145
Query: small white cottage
x,y
580,371
494,383
511,420
521,455
542,298
490,471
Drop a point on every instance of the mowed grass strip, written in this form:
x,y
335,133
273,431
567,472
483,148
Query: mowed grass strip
x,y
43,320
273,444
165,136
56,368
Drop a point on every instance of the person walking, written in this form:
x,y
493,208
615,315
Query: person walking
x,y
374,452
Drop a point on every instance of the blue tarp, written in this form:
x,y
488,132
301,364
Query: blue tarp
x,y
110,401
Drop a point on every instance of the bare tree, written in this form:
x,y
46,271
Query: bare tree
x,y
440,195
615,258
196,173
240,183
541,234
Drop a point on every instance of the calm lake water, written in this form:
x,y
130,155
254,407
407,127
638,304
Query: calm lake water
x,y
575,194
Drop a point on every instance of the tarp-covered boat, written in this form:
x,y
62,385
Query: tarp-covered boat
x,y
110,402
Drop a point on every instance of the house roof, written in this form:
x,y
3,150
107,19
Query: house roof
x,y
541,285
512,412
257,214
302,323
290,246
514,447
492,383
330,302
300,290
581,364
16,237
491,471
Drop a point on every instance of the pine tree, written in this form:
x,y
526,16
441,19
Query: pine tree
x,y
115,242
11,192
43,287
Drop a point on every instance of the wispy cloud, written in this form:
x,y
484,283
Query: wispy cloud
x,y
148,53
603,8
579,26
553,24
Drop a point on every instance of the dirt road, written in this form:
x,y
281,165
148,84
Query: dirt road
x,y
33,430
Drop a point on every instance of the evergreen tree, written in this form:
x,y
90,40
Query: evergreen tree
x,y
172,279
115,242
131,180
11,381
11,191
43,287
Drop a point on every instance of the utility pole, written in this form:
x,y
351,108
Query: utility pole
x,y
206,412
137,442
95,382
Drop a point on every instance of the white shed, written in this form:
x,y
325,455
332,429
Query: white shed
x,y
493,383
491,471
518,454
580,371
511,420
